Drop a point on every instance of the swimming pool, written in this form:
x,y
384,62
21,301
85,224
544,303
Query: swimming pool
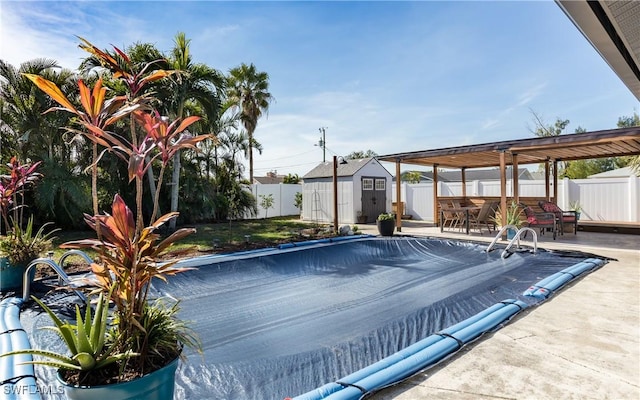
x,y
281,323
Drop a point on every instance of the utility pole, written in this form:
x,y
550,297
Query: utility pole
x,y
322,143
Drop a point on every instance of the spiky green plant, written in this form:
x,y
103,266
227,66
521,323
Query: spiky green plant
x,y
85,340
23,245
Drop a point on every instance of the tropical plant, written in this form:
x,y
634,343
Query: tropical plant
x,y
24,245
20,243
575,206
386,217
298,201
248,92
291,179
86,341
129,251
513,216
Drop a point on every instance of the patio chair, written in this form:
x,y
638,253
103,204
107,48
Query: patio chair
x,y
483,217
544,221
450,219
563,217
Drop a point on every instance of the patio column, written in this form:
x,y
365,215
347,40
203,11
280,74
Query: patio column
x,y
547,194
515,175
335,195
464,183
436,215
555,181
398,198
503,183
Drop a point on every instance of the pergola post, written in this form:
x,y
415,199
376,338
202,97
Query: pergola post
x,y
515,175
555,181
436,216
547,193
398,198
463,172
503,185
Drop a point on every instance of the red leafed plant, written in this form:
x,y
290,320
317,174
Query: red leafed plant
x,y
129,251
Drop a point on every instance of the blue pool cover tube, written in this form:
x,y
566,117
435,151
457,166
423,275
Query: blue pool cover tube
x,y
17,380
545,287
417,356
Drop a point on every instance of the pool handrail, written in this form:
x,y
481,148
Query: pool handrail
x,y
62,276
516,239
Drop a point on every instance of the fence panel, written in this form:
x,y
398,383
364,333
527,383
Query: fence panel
x,y
283,199
603,199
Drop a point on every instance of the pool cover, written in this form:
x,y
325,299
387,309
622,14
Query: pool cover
x,y
282,324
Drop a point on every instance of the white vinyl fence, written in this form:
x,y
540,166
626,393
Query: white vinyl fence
x,y
602,199
283,199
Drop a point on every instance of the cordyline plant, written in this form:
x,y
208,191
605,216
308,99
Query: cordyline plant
x,y
129,251
12,189
22,243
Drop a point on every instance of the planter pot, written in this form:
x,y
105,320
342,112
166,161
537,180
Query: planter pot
x,y
511,233
11,276
386,227
157,385
362,219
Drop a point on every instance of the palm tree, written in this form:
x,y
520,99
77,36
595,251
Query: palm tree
x,y
27,131
25,127
248,92
191,86
627,122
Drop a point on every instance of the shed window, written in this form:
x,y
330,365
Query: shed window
x,y
367,184
381,184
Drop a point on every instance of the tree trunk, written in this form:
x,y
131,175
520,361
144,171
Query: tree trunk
x,y
175,188
152,185
250,159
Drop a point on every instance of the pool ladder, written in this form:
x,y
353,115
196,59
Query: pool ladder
x,y
62,276
515,240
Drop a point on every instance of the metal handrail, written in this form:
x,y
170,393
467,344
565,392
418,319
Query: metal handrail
x,y
516,238
499,236
62,276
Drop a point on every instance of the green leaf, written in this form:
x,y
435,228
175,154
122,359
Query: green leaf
x,y
67,336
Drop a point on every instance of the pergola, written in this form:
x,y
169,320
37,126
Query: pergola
x,y
613,29
546,150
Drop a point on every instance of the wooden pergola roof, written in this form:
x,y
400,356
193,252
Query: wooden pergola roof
x,y
578,146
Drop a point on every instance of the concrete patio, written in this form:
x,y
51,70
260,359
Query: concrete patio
x,y
583,343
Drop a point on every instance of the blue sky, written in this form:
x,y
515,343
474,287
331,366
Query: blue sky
x,y
385,76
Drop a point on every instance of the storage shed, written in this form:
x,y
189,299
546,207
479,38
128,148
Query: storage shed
x,y
363,189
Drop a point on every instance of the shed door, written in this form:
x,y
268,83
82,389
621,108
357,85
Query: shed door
x,y
374,197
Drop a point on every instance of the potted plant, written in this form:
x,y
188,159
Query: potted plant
x,y
21,243
147,332
512,217
386,224
361,218
576,207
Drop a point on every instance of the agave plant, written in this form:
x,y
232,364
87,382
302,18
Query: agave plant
x,y
85,340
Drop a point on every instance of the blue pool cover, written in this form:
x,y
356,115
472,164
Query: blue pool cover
x,y
282,324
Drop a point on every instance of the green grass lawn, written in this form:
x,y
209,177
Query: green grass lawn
x,y
224,236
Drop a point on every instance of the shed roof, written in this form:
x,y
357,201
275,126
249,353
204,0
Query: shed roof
x,y
325,169
577,146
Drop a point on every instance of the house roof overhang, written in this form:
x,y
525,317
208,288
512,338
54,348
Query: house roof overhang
x,y
578,146
613,29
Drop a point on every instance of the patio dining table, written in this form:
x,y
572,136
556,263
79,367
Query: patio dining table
x,y
464,210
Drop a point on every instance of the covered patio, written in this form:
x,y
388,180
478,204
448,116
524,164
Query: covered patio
x,y
540,150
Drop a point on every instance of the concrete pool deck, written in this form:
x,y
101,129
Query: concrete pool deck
x,y
583,343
